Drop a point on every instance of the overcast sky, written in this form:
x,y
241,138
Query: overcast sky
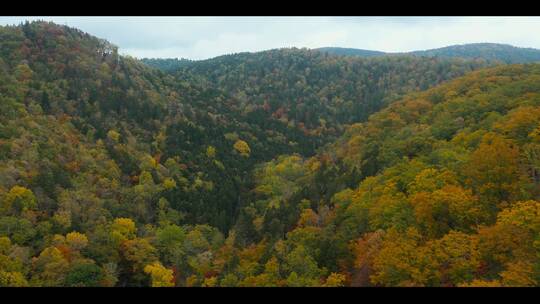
x,y
206,37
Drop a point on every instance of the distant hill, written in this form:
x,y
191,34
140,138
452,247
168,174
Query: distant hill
x,y
316,92
504,53
488,51
351,52
168,64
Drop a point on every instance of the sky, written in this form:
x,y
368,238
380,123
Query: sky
x,y
206,37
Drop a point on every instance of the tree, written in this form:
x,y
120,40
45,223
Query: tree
x,y
211,152
242,147
229,280
303,269
501,244
123,229
23,73
365,250
403,261
110,275
84,275
308,217
210,282
5,245
169,184
77,241
493,169
334,280
170,244
391,210
457,256
11,268
519,274
19,199
524,214
520,122
20,231
12,279
161,276
113,136
441,204
51,268
139,253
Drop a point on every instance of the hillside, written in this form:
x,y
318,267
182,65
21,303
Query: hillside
x,y
316,92
441,188
288,167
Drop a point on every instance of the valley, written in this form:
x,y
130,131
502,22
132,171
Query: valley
x,y
287,167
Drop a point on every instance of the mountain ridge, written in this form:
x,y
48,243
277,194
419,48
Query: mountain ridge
x,y
492,51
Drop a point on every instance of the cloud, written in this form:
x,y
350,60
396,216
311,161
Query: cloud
x,y
205,37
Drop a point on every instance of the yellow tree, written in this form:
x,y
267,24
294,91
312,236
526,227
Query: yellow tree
x,y
50,268
11,268
113,135
76,241
19,199
519,274
463,207
211,151
402,261
512,243
521,223
242,147
335,280
457,256
161,276
493,169
123,229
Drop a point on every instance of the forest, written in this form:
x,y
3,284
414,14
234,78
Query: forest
x,y
283,168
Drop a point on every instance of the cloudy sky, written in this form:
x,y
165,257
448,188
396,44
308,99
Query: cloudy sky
x,y
206,37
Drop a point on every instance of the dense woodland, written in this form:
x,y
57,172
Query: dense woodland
x,y
289,167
